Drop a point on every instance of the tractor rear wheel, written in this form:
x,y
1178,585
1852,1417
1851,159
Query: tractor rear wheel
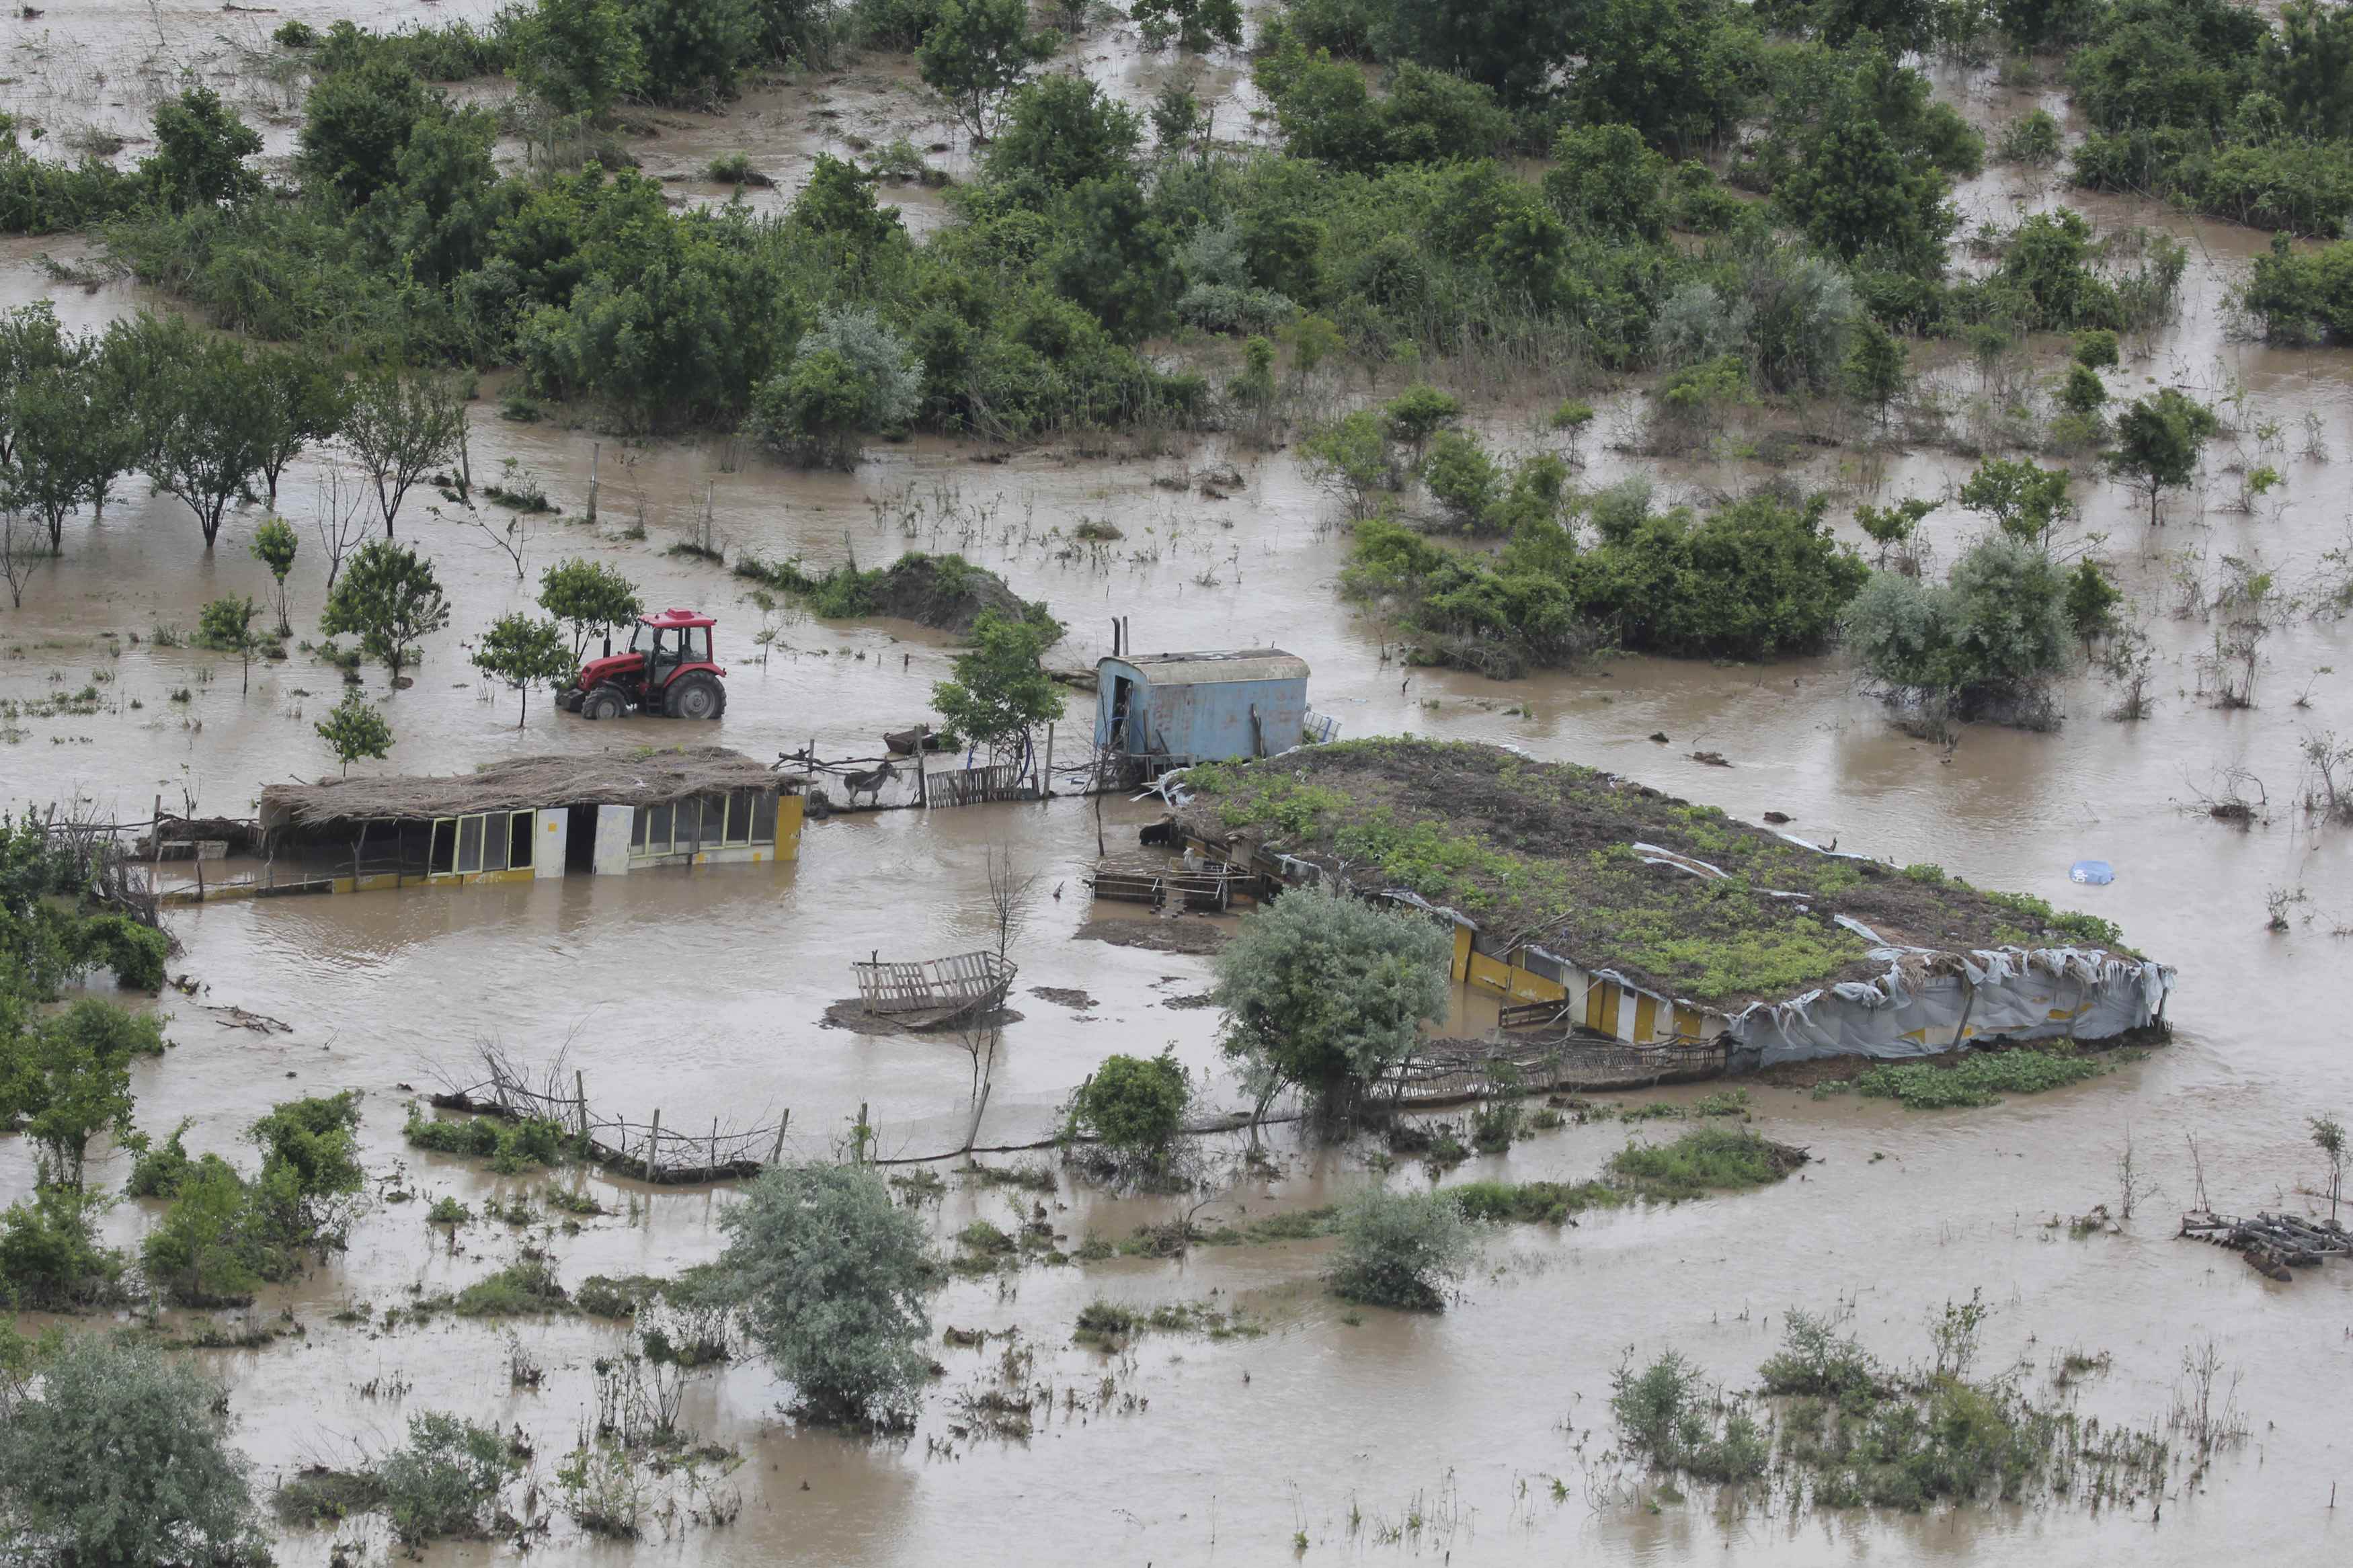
x,y
604,702
697,695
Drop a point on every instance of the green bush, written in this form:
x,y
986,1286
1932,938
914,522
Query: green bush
x,y
1530,1203
50,1259
158,1171
524,1288
1401,1250
1979,1079
829,1274
121,1459
443,1480
1703,1161
1135,1105
214,1245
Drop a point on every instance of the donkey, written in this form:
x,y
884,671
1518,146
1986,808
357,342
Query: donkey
x,y
869,785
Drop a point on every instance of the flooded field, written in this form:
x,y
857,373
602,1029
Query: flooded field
x,y
1373,1436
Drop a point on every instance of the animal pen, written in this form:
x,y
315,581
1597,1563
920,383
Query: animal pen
x,y
931,992
529,817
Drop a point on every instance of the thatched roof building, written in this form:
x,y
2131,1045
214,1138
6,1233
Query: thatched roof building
x,y
520,784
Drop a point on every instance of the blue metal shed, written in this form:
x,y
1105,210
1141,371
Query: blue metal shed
x,y
1178,708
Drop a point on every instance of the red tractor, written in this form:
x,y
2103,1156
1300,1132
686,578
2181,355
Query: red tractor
x,y
666,669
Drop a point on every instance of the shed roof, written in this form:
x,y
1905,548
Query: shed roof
x,y
521,784
1215,668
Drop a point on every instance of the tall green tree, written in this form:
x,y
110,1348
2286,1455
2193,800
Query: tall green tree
x,y
578,56
1060,131
524,651
201,147
977,52
31,341
1194,25
209,428
2159,442
388,598
67,1075
589,598
66,453
1323,992
400,427
274,545
303,400
1000,692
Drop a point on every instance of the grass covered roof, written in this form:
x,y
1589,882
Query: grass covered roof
x,y
1545,853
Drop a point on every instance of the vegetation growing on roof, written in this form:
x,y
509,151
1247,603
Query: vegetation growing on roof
x,y
1545,852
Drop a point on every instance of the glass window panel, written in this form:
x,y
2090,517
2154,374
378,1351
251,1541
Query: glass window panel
x,y
714,819
638,829
494,841
739,817
469,844
764,817
688,826
658,830
522,841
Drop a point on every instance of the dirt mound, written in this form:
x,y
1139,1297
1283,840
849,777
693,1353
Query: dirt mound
x,y
850,1014
946,592
1156,936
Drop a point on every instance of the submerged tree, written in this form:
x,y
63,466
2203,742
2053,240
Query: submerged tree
x,y
829,1274
400,427
589,598
352,728
1325,992
274,545
1401,1250
1985,641
977,51
1000,690
389,598
524,651
225,626
2158,441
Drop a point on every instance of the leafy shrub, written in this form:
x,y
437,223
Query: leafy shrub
x,y
50,1259
121,1459
1401,1250
1135,1105
1979,1079
1704,1159
214,1245
1325,991
158,1171
830,1276
2032,138
525,1287
443,1480
1815,1363
1983,643
1531,1203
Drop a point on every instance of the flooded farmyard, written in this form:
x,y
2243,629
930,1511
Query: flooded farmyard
x,y
1167,1362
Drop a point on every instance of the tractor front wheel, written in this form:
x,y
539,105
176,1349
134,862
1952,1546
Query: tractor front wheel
x,y
695,696
606,702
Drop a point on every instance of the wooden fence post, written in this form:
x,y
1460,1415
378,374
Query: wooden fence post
x,y
776,1155
593,448
580,1099
713,1166
1046,779
653,1146
863,1130
922,791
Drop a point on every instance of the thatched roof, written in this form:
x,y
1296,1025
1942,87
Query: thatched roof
x,y
521,783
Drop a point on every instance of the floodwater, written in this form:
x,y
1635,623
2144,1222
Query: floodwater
x,y
699,995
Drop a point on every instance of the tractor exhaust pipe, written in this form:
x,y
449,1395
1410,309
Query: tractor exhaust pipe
x,y
608,646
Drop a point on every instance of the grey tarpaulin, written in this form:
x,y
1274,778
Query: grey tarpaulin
x,y
1929,1002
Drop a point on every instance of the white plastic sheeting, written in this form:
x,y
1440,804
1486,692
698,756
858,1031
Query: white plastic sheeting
x,y
1914,1010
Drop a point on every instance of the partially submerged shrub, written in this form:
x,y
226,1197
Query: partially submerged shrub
x,y
1704,1159
831,1275
1135,1107
443,1480
121,1459
1401,1250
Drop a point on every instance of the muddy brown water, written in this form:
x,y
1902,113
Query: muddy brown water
x,y
699,995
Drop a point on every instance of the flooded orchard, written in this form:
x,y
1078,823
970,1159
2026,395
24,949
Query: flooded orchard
x,y
1266,1416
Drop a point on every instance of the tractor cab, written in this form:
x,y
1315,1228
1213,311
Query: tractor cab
x,y
666,669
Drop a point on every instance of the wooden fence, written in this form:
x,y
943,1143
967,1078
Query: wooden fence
x,y
1452,1071
975,786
